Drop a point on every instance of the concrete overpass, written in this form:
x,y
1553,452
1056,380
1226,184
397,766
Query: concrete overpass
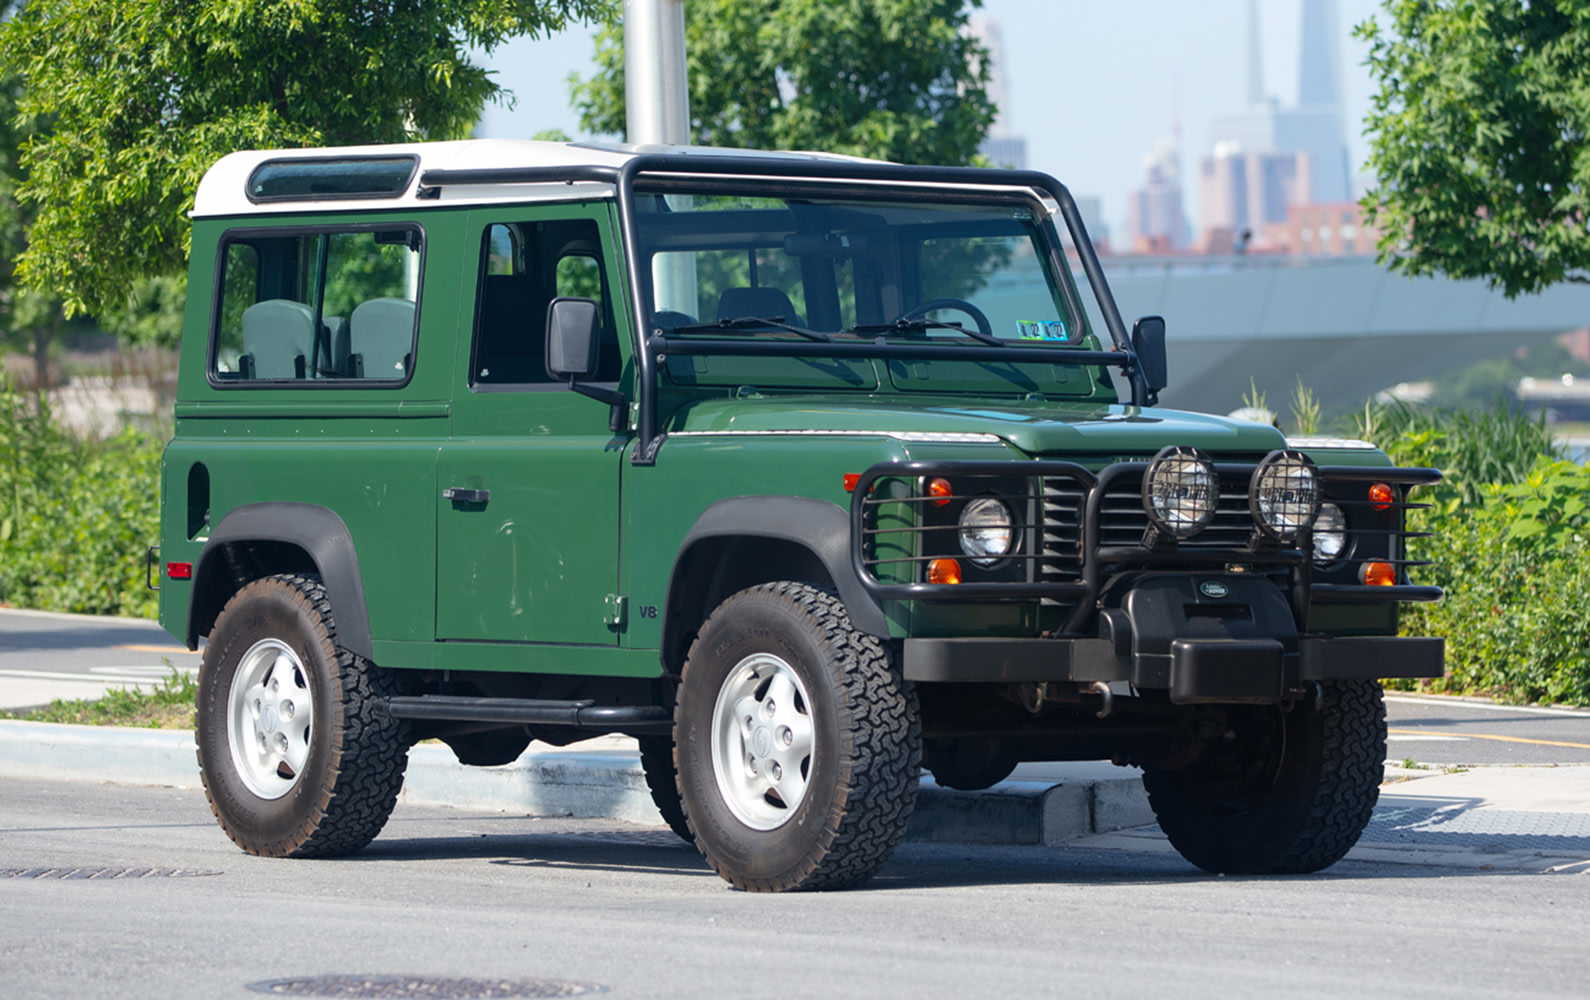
x,y
1346,325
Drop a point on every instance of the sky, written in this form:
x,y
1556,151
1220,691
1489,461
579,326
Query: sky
x,y
1093,86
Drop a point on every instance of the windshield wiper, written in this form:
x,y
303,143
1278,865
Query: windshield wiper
x,y
922,323
745,322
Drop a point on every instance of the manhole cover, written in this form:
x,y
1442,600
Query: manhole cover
x,y
68,873
439,988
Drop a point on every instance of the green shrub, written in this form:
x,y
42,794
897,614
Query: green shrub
x,y
1472,448
1516,569
1508,544
170,705
76,516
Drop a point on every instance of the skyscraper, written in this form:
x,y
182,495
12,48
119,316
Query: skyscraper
x,y
1156,221
1002,147
1291,155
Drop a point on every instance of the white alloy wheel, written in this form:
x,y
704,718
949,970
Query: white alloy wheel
x,y
762,741
269,713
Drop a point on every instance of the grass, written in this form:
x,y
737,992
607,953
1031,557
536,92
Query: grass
x,y
168,706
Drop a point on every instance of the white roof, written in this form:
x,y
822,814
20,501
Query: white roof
x,y
222,191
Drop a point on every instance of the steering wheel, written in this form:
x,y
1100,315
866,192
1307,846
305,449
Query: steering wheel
x,y
960,305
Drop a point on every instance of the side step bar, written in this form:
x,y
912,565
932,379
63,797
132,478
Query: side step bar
x,y
637,720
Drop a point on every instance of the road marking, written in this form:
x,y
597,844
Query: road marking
x,y
131,675
1499,739
157,649
1483,706
1401,737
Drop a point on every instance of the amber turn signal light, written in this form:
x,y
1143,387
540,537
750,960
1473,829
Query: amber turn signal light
x,y
1381,496
1378,574
944,571
939,492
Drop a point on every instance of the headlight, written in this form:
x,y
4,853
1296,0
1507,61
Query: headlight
x,y
1330,534
1284,494
986,531
1180,492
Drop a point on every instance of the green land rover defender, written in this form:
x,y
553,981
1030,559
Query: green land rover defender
x,y
807,472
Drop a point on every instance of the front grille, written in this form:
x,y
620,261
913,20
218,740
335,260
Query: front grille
x,y
1122,519
1064,501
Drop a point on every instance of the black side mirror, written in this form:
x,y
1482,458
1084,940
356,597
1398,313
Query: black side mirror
x,y
572,347
1148,343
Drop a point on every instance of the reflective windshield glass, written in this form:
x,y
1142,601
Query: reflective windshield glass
x,y
912,268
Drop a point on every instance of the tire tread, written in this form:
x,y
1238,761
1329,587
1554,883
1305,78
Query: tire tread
x,y
359,790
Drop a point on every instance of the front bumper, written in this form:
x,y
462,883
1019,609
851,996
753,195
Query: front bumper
x,y
1250,670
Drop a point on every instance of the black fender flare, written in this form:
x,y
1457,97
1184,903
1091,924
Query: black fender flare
x,y
819,526
320,533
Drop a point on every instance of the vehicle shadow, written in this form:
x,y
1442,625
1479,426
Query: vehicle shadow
x,y
606,846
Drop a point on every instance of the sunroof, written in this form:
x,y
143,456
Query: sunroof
x,y
317,179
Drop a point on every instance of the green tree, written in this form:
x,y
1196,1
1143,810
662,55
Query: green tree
x,y
143,95
28,318
893,79
1478,137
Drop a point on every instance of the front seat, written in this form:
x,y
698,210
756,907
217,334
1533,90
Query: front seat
x,y
763,302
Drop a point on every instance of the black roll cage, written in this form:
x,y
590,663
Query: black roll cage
x,y
830,174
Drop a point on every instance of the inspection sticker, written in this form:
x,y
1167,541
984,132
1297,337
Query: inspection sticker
x,y
1042,329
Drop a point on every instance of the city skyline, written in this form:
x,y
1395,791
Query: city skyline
x,y
1089,91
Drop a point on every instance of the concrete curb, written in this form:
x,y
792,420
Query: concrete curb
x,y
606,782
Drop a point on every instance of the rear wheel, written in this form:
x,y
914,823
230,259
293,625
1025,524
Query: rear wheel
x,y
657,763
296,757
798,743
1279,792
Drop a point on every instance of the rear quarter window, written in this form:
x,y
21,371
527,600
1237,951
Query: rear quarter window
x,y
316,307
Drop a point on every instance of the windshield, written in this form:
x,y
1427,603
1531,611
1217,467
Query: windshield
x,y
799,266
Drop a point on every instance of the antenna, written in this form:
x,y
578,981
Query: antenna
x,y
1255,56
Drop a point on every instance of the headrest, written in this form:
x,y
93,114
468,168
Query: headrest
x,y
762,302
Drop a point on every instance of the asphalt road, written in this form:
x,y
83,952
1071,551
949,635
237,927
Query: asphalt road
x,y
1434,730
454,894
45,656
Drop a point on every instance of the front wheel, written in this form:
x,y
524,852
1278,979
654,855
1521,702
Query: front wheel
x,y
1279,792
798,743
296,756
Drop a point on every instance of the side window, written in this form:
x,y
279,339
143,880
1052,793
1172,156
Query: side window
x,y
502,250
523,267
318,306
580,276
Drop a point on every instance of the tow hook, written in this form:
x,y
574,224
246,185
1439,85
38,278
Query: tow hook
x,y
1103,691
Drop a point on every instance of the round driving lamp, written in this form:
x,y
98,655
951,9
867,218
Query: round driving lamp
x,y
1284,495
986,531
1180,492
1330,534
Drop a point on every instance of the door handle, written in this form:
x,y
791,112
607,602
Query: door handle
x,y
458,494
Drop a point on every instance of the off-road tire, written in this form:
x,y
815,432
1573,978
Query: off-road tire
x,y
662,779
356,756
866,740
1308,795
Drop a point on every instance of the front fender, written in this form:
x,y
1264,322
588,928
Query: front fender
x,y
820,527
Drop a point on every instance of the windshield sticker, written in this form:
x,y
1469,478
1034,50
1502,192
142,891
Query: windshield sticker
x,y
1043,329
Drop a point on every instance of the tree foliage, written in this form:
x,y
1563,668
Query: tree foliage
x,y
143,95
28,318
893,79
1478,135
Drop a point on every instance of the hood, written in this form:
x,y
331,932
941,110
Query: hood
x,y
1037,428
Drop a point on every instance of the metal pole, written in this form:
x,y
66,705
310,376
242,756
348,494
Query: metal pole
x,y
656,93
657,112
